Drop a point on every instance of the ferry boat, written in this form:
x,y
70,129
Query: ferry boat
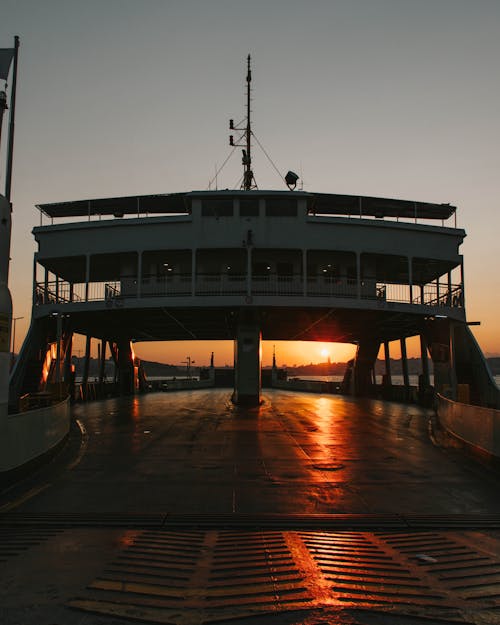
x,y
246,265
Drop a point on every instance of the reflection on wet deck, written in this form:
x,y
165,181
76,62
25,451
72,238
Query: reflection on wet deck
x,y
196,453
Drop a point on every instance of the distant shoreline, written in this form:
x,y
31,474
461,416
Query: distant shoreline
x,y
158,369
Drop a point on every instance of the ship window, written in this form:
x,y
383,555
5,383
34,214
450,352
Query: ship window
x,y
261,269
281,207
284,269
249,208
217,208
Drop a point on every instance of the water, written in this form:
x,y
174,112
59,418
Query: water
x,y
396,379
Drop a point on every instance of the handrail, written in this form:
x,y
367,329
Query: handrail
x,y
272,284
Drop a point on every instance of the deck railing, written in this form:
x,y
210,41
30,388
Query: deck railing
x,y
182,285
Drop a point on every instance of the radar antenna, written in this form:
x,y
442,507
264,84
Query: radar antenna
x,y
248,182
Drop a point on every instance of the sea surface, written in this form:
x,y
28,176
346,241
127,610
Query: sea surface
x,y
396,379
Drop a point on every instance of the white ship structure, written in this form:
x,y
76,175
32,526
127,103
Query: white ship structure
x,y
251,265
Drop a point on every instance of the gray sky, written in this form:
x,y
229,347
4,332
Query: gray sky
x,y
394,98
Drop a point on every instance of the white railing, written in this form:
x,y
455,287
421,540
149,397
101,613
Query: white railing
x,y
211,284
332,287
277,285
182,285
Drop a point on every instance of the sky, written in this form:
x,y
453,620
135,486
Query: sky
x,y
390,98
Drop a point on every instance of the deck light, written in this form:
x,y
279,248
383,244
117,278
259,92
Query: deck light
x,y
291,180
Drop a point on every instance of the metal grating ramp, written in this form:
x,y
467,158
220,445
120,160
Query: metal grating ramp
x,y
462,570
362,570
16,540
196,576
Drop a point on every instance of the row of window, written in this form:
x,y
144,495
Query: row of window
x,y
263,269
222,207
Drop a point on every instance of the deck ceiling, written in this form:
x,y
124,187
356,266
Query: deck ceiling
x,y
288,324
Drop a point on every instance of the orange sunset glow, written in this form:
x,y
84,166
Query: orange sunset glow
x,y
287,352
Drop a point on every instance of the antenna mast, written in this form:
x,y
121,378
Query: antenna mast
x,y
248,177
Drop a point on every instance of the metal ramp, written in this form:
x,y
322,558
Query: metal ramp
x,y
198,576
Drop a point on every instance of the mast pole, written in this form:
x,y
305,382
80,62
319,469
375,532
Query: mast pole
x,y
245,138
248,163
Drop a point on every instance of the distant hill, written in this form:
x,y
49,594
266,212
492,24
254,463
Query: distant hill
x,y
159,369
152,369
338,368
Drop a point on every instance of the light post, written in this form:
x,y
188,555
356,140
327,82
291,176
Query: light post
x,y
13,350
188,362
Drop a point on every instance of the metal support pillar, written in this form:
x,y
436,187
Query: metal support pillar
x,y
304,272
46,287
453,362
358,275
69,368
35,289
87,277
86,362
102,361
247,360
58,353
424,385
387,356
410,278
193,272
462,289
425,360
139,274
404,362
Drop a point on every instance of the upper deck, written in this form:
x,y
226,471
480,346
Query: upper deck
x,y
250,248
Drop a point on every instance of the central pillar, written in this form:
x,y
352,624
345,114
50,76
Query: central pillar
x,y
247,361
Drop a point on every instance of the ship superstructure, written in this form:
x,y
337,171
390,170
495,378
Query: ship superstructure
x,y
247,265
